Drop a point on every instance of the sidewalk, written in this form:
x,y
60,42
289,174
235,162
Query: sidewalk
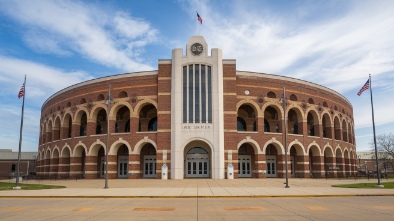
x,y
202,188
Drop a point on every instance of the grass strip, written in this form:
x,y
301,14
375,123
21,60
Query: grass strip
x,y
387,185
10,186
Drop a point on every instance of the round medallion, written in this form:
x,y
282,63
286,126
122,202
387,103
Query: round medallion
x,y
247,92
196,49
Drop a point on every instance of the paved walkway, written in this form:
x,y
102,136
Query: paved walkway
x,y
204,188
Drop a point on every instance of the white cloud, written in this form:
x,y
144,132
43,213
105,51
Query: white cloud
x,y
86,30
347,45
41,80
45,43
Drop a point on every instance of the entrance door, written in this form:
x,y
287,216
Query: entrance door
x,y
271,166
197,165
150,166
122,166
244,166
102,167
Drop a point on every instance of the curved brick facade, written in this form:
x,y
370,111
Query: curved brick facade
x,y
147,127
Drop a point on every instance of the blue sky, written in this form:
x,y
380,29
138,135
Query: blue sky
x,y
59,43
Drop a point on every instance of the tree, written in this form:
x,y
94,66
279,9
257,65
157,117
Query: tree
x,y
385,146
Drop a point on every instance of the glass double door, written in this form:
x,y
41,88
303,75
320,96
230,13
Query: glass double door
x,y
150,166
197,165
244,166
123,162
271,166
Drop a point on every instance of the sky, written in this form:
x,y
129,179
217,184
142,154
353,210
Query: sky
x,y
56,44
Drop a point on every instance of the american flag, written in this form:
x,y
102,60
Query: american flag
x,y
365,87
21,92
199,18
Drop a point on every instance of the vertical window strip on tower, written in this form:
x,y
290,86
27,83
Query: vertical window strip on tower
x,y
203,95
197,94
209,96
184,94
191,102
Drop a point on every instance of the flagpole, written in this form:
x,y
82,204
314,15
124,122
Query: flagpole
x,y
20,135
374,134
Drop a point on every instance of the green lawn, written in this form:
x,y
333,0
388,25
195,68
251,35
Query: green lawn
x,y
387,185
9,186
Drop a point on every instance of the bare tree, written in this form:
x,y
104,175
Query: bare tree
x,y
385,146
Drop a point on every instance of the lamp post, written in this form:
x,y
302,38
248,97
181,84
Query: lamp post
x,y
284,102
359,160
108,101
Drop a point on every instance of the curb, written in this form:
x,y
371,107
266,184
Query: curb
x,y
200,197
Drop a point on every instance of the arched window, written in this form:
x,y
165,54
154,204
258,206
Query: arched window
x,y
293,97
122,94
100,97
199,150
241,124
271,94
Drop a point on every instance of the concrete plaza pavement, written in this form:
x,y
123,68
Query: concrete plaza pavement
x,y
201,188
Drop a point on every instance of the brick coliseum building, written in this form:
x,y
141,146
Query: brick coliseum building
x,y
196,114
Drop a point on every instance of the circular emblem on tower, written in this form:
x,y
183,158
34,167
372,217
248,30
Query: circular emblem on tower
x,y
196,49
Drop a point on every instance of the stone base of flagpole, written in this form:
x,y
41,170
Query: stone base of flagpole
x,y
16,187
379,186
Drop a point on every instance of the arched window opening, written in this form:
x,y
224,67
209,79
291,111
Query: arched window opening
x,y
122,94
146,116
248,115
293,97
122,117
196,150
271,94
100,97
271,116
